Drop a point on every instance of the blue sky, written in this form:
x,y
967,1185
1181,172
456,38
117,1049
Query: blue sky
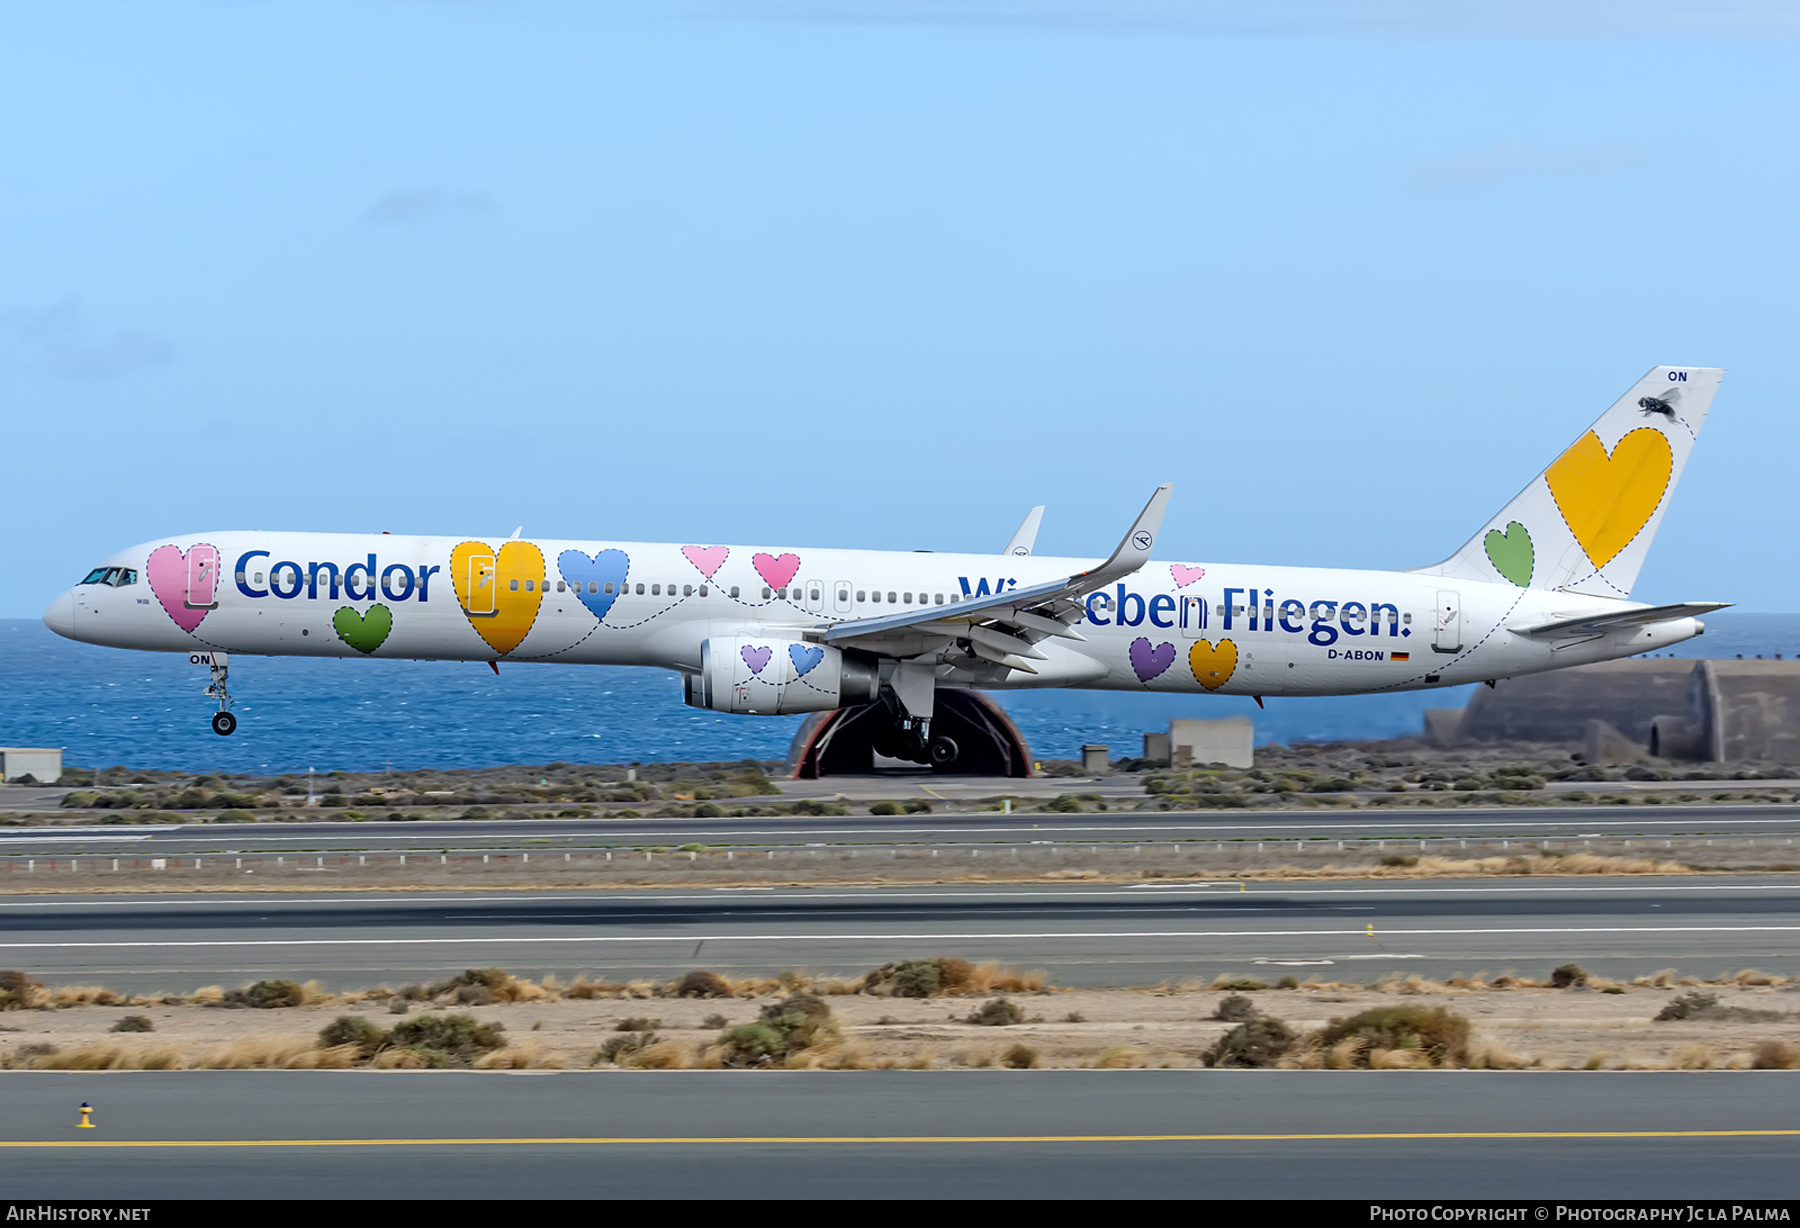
x,y
887,275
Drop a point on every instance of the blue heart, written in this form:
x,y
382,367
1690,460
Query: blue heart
x,y
607,567
804,657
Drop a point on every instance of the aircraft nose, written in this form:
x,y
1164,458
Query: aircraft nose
x,y
60,616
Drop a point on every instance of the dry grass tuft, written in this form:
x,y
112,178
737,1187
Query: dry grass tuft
x,y
519,1058
1695,1057
1118,1057
1753,976
1774,1055
1492,1055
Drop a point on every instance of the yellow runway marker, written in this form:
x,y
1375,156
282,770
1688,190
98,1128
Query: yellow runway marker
x,y
889,1139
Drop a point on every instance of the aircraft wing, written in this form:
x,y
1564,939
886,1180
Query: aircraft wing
x,y
1596,624
1029,614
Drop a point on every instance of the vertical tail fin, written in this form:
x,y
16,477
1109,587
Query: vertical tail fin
x,y
1584,524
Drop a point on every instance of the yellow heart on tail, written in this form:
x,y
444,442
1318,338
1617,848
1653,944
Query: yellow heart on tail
x,y
1212,666
499,590
1607,500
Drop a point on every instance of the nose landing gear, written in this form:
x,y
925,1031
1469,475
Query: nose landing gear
x,y
223,722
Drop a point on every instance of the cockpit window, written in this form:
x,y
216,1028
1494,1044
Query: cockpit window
x,y
117,577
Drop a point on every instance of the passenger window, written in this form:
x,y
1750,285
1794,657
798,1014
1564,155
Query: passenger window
x,y
527,586
561,587
514,585
734,590
766,593
940,599
890,597
1406,618
703,590
640,591
687,590
908,598
656,590
861,595
259,579
875,597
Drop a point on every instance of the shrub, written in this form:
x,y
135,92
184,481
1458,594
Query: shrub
x,y
234,816
1019,1057
716,1022
921,978
398,1005
636,1023
1774,1055
1235,1009
266,995
787,1027
455,1039
1691,1005
703,984
19,990
619,1048
1256,1042
133,1023
479,986
368,1038
1063,803
1438,1034
885,808
1569,976
1239,984
997,1013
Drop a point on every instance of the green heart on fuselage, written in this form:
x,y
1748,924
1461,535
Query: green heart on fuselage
x,y
363,632
1511,553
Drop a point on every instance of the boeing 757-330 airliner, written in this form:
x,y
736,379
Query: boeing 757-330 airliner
x,y
769,629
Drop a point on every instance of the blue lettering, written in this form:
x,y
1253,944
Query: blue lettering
x,y
1290,610
275,580
1162,603
387,581
425,574
1393,613
981,587
1322,631
243,572
312,579
1125,600
1230,602
368,575
1104,601
1352,612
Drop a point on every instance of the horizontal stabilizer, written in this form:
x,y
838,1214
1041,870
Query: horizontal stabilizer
x,y
1618,620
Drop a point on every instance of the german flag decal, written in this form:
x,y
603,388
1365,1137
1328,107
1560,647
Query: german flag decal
x,y
1399,656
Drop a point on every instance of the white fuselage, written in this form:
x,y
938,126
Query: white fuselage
x,y
1292,631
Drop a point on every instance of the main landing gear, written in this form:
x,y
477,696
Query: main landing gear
x,y
910,739
223,722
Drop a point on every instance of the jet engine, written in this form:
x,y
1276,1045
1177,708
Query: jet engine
x,y
775,677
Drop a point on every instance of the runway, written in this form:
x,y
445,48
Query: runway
x,y
1081,935
975,1134
1563,826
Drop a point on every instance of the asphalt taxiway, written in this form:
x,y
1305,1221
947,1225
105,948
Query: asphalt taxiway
x,y
999,1134
1080,934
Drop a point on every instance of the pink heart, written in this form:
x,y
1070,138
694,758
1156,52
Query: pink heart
x,y
776,571
707,558
1185,575
756,657
167,571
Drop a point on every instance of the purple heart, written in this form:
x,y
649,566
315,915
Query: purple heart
x,y
1148,662
758,656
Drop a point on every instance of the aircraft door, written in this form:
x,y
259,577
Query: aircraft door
x,y
202,578
815,596
840,599
481,586
1192,616
1448,622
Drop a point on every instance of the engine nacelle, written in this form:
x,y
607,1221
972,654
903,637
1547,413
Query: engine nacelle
x,y
775,677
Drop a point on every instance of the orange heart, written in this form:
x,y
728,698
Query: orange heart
x,y
1212,666
1607,500
500,590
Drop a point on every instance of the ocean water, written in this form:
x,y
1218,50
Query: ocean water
x,y
106,706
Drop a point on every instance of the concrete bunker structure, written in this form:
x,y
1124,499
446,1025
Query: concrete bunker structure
x,y
1715,711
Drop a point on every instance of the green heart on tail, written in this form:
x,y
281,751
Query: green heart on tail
x,y
1510,553
363,632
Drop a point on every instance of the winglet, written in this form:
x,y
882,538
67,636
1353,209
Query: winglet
x,y
1134,550
1026,537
